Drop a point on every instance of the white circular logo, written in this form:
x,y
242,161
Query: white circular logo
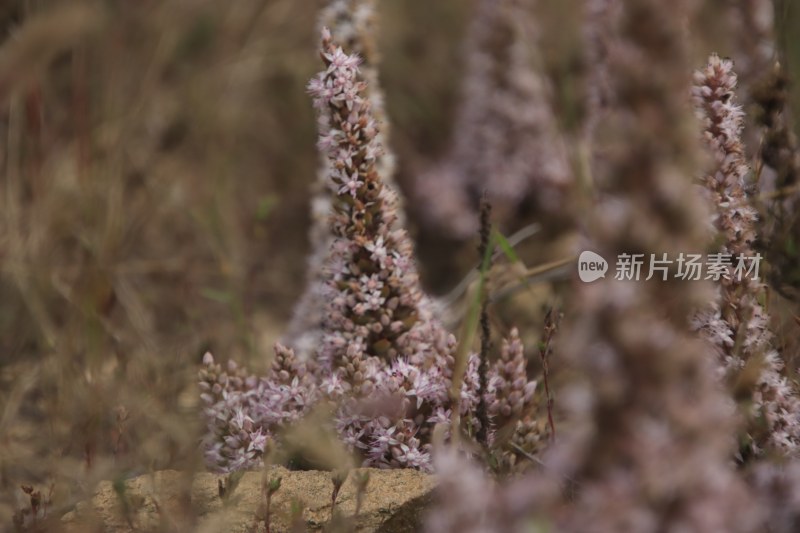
x,y
591,266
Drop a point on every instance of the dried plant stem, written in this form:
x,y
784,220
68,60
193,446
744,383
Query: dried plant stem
x,y
482,435
269,488
338,479
80,110
551,320
361,481
267,513
458,291
554,270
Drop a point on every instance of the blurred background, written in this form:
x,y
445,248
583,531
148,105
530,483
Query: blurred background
x,y
155,163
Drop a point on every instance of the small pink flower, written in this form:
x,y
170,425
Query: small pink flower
x,y
351,185
379,251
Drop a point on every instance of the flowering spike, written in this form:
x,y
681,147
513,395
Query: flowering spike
x,y
509,393
737,313
350,22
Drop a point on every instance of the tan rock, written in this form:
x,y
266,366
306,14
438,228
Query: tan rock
x,y
394,501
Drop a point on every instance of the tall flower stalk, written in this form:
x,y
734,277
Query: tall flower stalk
x,y
375,298
353,23
382,349
737,324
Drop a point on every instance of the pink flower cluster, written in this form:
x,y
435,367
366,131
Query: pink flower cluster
x,y
243,412
509,392
383,361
